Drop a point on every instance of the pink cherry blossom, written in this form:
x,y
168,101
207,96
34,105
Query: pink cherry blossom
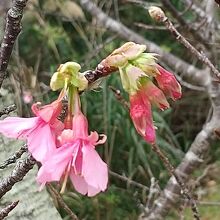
x,y
77,158
39,131
141,115
168,83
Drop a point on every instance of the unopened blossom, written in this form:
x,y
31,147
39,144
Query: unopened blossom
x,y
40,131
77,158
137,71
167,82
141,115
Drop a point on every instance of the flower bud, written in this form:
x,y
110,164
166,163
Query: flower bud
x,y
157,13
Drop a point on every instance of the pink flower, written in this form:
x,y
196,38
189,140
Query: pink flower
x,y
168,83
39,131
77,158
154,94
141,115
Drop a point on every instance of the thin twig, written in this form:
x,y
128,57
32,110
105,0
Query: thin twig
x,y
4,212
200,55
20,170
71,214
119,97
14,157
12,29
172,172
129,181
7,110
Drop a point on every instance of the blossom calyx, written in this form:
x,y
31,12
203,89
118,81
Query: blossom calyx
x,y
68,74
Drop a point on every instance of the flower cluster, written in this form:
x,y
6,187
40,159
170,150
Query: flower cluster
x,y
138,71
64,149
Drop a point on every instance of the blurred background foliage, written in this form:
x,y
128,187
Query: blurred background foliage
x,y
56,31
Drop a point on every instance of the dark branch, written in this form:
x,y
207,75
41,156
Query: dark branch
x,y
4,212
7,110
14,157
13,28
62,202
20,170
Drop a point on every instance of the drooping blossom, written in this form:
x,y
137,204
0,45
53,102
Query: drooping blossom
x,y
137,71
141,115
40,131
167,82
77,158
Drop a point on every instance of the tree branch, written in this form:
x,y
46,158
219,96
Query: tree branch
x,y
4,212
20,170
193,159
7,110
198,76
13,28
14,157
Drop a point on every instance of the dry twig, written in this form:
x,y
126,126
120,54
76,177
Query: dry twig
x,y
7,110
4,212
13,28
20,170
62,203
14,157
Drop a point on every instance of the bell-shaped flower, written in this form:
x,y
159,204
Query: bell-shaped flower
x,y
68,74
141,115
77,158
168,83
39,131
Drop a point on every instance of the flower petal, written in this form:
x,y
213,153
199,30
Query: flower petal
x,y
140,112
53,168
16,127
41,142
168,83
79,183
94,169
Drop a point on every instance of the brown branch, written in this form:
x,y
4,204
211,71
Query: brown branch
x,y
198,76
4,212
71,214
200,55
197,35
7,110
129,181
119,97
13,28
14,157
172,172
192,160
20,170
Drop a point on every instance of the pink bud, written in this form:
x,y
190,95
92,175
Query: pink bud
x,y
168,83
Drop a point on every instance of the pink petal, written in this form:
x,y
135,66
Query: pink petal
x,y
93,137
80,126
168,83
49,112
140,112
53,168
92,191
41,142
16,127
79,183
154,95
94,170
